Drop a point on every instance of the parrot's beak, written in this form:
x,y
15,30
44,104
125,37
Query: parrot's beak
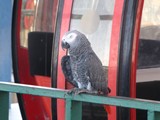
x,y
65,45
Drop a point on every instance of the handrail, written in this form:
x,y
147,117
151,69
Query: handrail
x,y
150,105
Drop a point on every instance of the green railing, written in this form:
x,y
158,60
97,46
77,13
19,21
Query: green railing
x,y
74,102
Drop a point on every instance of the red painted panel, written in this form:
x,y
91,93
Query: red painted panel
x,y
113,60
60,78
135,56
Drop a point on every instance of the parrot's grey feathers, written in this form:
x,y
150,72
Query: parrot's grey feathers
x,y
86,68
96,73
66,68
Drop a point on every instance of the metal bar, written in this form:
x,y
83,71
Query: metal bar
x,y
68,113
33,90
58,93
150,115
4,105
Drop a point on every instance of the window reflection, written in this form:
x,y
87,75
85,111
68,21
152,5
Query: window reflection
x,y
150,24
149,47
36,15
100,37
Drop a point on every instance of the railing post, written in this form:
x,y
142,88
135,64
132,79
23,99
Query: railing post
x,y
76,110
4,105
68,109
150,115
73,110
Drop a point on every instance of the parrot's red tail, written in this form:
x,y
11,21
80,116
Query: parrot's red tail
x,y
107,108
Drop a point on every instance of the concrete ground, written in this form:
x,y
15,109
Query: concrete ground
x,y
14,112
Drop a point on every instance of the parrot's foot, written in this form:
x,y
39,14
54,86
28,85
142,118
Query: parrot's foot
x,y
73,91
77,91
87,91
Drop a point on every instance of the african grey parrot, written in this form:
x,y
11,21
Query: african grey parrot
x,y
82,68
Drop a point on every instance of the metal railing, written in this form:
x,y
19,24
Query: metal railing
x,y
74,102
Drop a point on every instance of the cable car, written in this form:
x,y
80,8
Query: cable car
x,y
123,33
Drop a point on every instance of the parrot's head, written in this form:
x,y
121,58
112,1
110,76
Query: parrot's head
x,y
74,40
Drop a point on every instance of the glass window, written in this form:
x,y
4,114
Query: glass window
x,y
94,19
150,24
149,48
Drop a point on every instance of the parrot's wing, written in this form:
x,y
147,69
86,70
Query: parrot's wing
x,y
96,73
66,68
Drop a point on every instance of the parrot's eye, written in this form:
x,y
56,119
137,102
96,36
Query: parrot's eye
x,y
70,36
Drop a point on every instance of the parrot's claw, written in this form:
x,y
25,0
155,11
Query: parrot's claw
x,y
77,91
73,91
86,91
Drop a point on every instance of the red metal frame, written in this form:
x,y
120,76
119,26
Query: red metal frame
x,y
60,78
113,62
114,46
135,56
